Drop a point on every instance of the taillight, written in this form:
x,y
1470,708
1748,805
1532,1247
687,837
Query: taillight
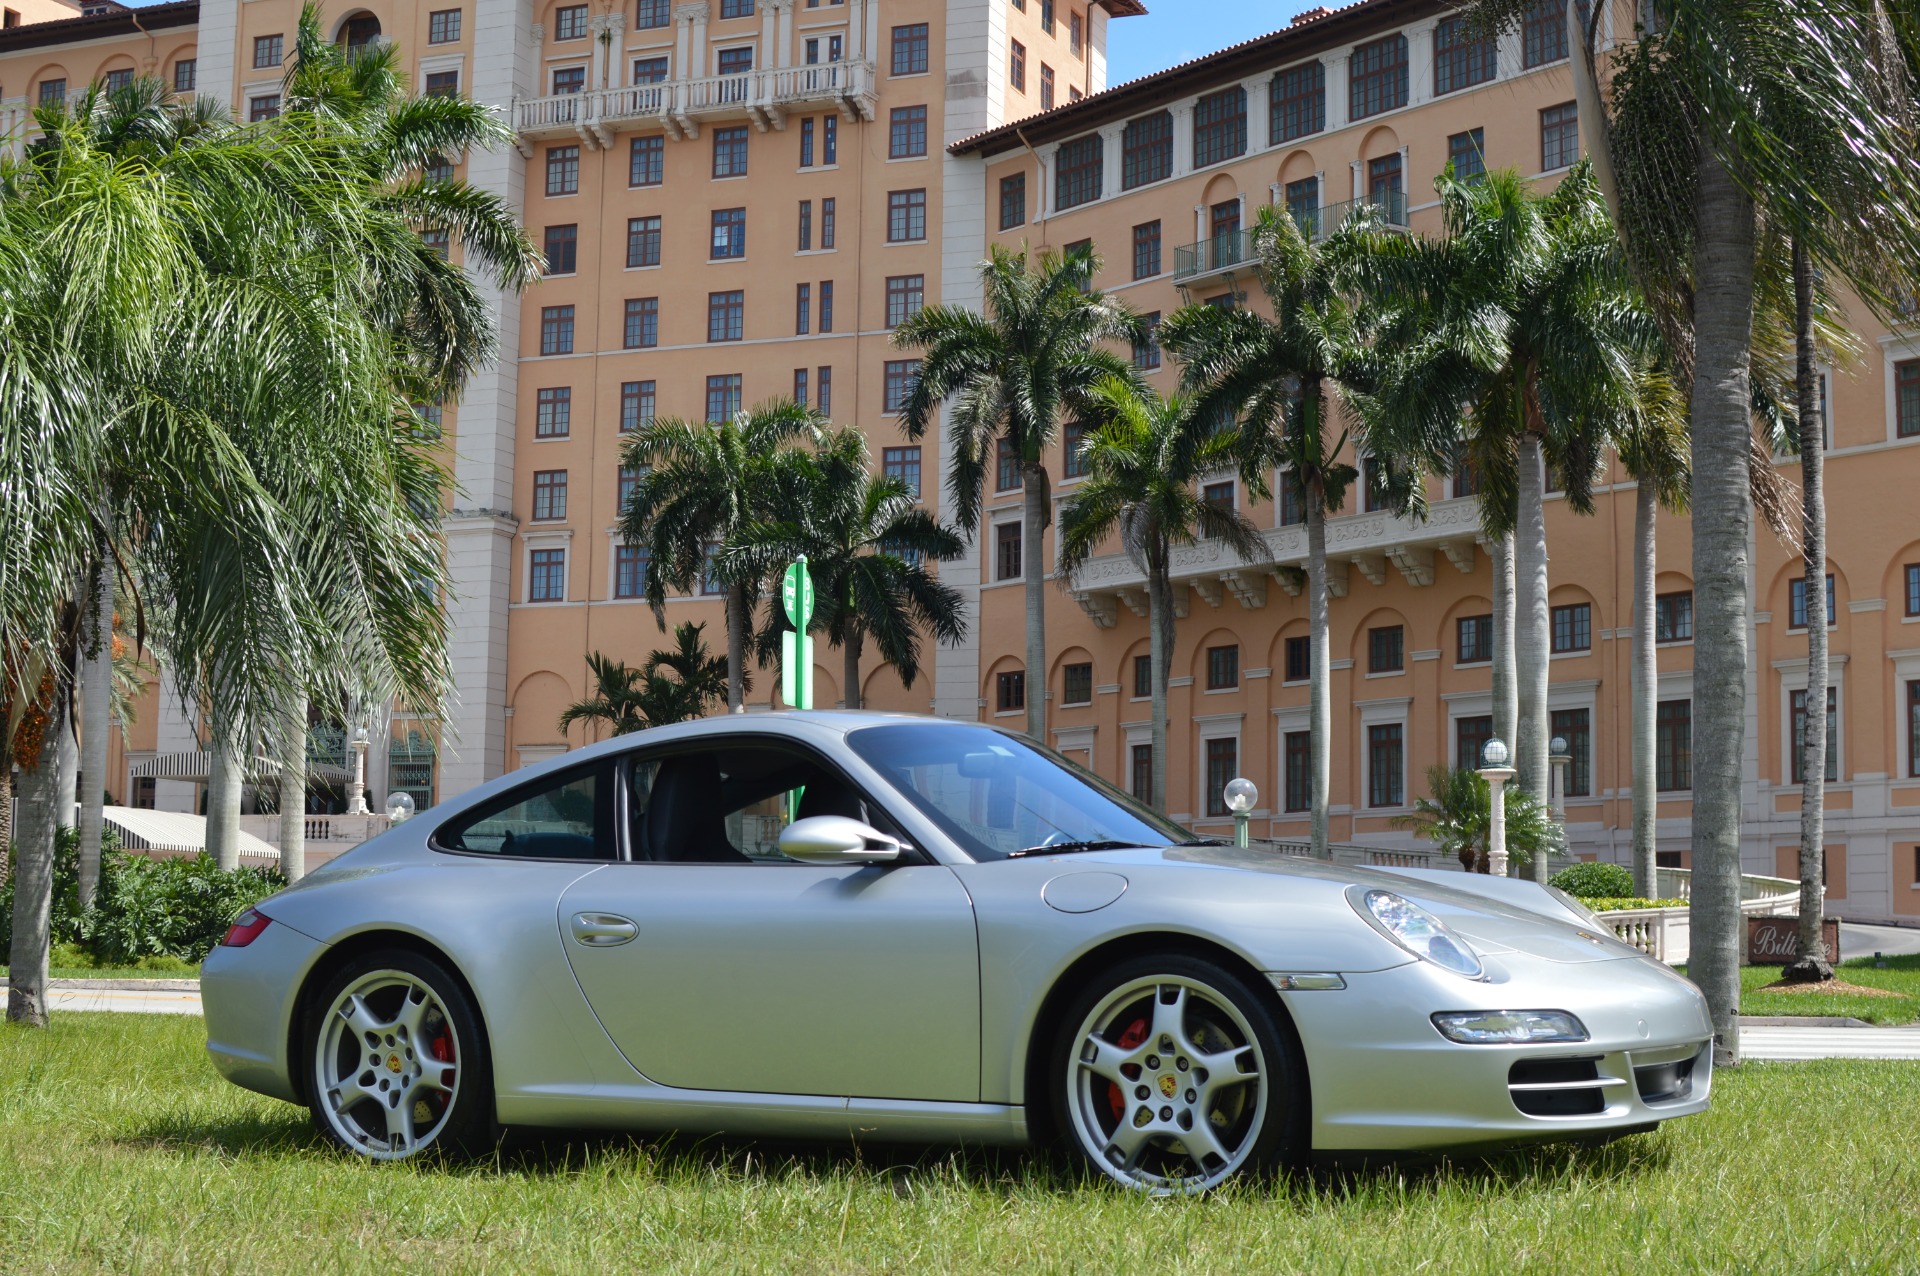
x,y
245,929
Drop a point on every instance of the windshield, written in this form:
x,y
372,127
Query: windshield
x,y
998,796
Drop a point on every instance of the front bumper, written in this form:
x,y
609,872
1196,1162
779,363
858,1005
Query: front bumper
x,y
1384,1079
248,997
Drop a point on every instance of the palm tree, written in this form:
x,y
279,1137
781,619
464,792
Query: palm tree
x,y
618,693
1012,374
701,484
1274,376
1145,457
1458,819
698,679
868,542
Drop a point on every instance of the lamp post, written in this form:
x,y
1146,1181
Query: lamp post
x,y
1240,795
1495,771
1560,757
357,787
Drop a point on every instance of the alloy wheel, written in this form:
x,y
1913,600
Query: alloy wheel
x,y
387,1065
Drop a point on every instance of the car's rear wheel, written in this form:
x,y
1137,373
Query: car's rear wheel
x,y
1175,1076
398,1064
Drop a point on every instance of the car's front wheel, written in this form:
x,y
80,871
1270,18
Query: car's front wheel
x,y
398,1062
1176,1076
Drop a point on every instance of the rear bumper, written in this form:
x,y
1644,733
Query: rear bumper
x,y
248,996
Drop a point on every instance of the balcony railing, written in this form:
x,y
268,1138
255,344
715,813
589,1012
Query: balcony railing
x,y
1222,253
677,105
1326,220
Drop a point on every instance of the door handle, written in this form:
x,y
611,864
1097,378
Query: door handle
x,y
603,930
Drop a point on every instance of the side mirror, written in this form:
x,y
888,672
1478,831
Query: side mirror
x,y
836,839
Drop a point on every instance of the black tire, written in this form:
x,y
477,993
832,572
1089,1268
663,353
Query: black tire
x,y
451,1046
1267,1133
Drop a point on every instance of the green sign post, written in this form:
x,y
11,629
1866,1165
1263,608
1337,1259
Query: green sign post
x,y
796,644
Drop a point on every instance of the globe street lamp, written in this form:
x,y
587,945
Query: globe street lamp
x,y
400,807
1240,795
1561,758
1495,771
357,787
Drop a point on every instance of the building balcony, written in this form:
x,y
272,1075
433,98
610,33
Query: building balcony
x,y
1226,254
1370,545
679,106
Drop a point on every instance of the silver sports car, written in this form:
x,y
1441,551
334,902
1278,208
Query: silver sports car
x,y
896,928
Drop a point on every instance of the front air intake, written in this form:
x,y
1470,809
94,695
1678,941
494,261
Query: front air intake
x,y
1557,1087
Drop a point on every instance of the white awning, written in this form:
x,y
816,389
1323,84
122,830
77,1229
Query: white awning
x,y
196,766
143,830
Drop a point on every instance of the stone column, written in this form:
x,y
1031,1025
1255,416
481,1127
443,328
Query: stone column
x,y
1182,139
1335,65
783,38
682,49
873,29
1112,158
1421,59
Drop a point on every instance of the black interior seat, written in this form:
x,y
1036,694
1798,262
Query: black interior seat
x,y
686,814
831,797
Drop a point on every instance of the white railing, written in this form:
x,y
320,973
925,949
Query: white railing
x,y
1760,896
337,831
1644,928
767,90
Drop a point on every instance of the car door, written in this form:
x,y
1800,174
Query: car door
x,y
717,964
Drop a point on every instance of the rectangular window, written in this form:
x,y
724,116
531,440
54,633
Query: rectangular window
x,y
1006,544
1462,57
643,241
1797,603
1467,153
1017,65
1074,34
443,26
563,170
1470,736
898,385
1223,667
1798,706
570,22
1913,589
1078,170
710,572
1046,87
1385,182
726,315
1141,763
636,405
1575,726
906,216
1146,150
1386,752
561,246
1146,350
902,464
735,61
1913,735
627,484
1046,16
642,327
1386,649
826,223
653,14
1543,33
1013,201
186,73
1010,691
1373,494
630,563
649,70
1673,617
826,305
1297,103
1142,677
117,80
802,308
1146,250
547,580
54,92
1303,205
910,49
1074,447
800,386
806,142
730,152
438,239
1218,494
736,8
1223,764
1006,467
1673,746
806,225
1377,77
824,403
443,84
647,161
556,330
1476,639
1078,688
553,413
1299,659
263,108
1293,509
906,132
1906,399
906,294
1559,136
830,140
268,50
549,495
723,398
569,79
1297,747
1572,628
729,233
1219,126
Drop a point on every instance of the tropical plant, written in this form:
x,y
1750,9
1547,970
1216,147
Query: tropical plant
x,y
1145,457
616,702
1594,880
867,541
1458,819
1012,374
1276,378
628,699
700,485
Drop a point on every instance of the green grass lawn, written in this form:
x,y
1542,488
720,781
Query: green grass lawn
x,y
122,1151
1902,975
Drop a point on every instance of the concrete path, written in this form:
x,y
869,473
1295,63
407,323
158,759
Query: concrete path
x,y
150,1001
1830,1043
1865,941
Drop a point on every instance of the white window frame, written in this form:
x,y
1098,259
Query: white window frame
x,y
1217,726
1793,677
560,538
1384,712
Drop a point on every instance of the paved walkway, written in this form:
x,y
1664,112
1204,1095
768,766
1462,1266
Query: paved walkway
x,y
1865,941
149,1001
1830,1043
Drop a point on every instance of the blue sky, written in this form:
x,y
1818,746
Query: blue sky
x,y
1175,31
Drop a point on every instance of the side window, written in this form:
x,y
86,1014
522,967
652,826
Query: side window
x,y
568,816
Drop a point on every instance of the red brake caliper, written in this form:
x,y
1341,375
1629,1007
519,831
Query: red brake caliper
x,y
441,1048
1135,1034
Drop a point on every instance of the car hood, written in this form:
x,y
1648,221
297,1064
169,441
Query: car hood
x,y
1495,915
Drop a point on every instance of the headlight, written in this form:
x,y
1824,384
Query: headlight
x,y
1508,1027
1416,930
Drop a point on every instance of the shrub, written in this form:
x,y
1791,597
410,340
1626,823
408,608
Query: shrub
x,y
1601,904
1594,881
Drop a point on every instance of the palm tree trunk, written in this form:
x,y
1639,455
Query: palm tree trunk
x,y
737,621
1320,669
37,831
293,791
1531,623
223,800
1506,703
1722,548
1646,694
850,669
96,712
1594,124
1160,637
1033,567
1811,962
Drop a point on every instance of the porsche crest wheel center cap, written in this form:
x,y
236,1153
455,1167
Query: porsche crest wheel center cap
x,y
1168,1085
393,1063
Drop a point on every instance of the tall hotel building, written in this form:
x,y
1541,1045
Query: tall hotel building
x,y
740,197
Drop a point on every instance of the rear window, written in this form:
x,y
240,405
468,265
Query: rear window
x,y
564,816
